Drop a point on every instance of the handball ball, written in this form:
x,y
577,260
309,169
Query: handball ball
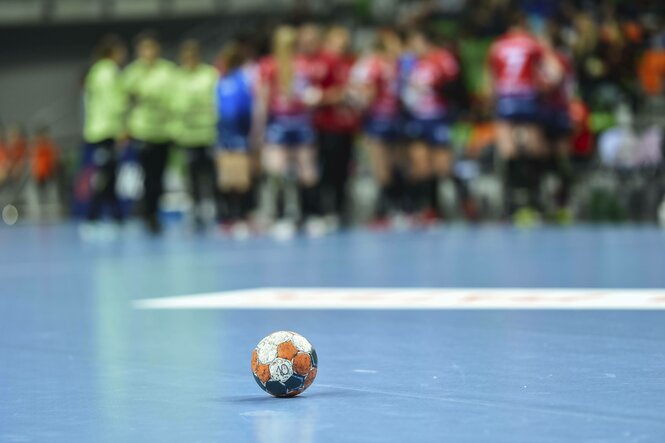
x,y
284,364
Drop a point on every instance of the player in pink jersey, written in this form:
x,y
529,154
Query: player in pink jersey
x,y
337,125
516,71
516,67
287,93
429,116
374,86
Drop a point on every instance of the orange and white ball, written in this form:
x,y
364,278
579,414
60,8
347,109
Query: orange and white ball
x,y
284,364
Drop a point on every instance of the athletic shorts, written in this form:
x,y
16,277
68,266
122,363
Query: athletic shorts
x,y
234,136
384,129
434,132
290,131
557,123
519,108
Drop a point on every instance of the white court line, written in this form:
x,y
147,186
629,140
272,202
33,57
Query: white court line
x,y
413,298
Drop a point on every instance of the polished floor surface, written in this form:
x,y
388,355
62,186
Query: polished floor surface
x,y
79,362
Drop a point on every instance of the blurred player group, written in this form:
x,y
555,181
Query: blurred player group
x,y
290,120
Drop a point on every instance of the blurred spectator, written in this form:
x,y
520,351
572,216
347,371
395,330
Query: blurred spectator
x,y
652,67
487,20
539,12
589,67
658,38
618,146
582,148
149,82
482,136
626,148
45,155
650,154
195,118
17,153
105,105
4,159
301,12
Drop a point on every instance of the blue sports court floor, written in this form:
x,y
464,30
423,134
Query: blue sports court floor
x,y
82,360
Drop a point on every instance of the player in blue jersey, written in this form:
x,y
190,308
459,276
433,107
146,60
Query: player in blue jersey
x,y
428,105
235,96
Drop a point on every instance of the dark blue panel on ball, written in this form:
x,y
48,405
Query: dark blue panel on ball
x,y
295,382
258,382
275,388
315,358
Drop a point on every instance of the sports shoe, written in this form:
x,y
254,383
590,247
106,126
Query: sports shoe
x,y
315,227
283,230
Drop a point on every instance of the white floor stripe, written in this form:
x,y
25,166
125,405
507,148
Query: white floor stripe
x,y
408,298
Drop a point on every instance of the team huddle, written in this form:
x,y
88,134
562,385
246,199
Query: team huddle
x,y
292,117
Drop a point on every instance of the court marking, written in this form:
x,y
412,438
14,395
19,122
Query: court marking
x,y
413,298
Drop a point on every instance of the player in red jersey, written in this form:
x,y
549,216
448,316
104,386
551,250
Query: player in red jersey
x,y
287,93
374,87
337,124
516,62
429,116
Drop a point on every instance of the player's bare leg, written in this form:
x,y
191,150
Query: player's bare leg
x,y
532,141
382,166
505,140
563,170
528,169
234,181
442,166
275,161
308,177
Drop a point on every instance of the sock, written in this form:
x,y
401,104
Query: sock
x,y
536,169
514,180
397,191
433,191
223,212
309,201
383,204
234,203
245,198
420,191
563,170
276,186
